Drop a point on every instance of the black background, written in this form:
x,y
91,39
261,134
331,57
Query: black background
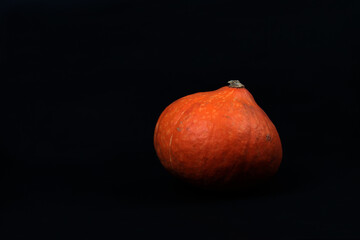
x,y
82,86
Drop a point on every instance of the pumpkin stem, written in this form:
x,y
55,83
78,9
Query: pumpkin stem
x,y
235,84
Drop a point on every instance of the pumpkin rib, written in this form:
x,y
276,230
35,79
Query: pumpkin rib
x,y
175,125
161,118
170,159
251,166
271,128
211,134
234,166
245,165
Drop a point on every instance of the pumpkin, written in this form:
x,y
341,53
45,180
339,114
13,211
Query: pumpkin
x,y
218,139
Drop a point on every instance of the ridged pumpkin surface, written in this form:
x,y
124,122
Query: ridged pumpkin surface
x,y
218,139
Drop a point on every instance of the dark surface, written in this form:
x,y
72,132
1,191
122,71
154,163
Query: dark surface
x,y
82,86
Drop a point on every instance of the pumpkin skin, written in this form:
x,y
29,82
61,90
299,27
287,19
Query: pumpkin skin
x,y
218,139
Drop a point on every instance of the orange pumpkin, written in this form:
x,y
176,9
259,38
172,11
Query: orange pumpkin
x,y
218,139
